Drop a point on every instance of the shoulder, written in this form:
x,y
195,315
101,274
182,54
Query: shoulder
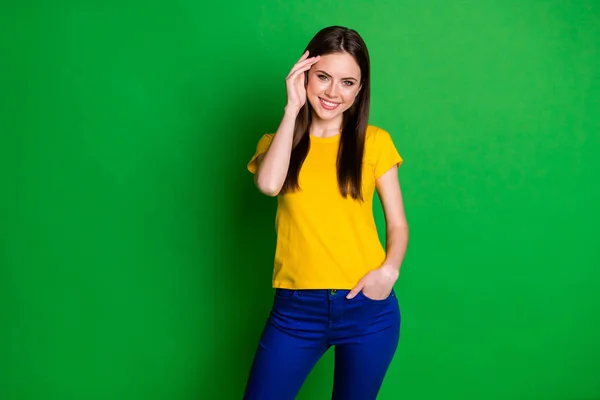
x,y
380,150
267,137
376,137
261,147
264,141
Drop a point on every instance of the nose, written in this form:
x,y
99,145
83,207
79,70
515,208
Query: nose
x,y
331,91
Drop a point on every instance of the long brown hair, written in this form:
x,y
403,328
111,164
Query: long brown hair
x,y
336,39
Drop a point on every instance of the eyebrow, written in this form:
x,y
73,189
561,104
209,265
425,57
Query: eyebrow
x,y
325,73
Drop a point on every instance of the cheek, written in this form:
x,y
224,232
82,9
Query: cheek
x,y
349,94
315,86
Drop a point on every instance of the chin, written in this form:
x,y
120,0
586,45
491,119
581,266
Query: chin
x,y
325,116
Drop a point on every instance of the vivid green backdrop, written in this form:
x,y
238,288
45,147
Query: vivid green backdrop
x,y
136,254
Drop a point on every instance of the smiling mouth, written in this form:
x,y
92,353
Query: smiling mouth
x,y
328,105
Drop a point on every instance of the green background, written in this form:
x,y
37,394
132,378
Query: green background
x,y
136,253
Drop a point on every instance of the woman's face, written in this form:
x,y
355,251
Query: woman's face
x,y
333,84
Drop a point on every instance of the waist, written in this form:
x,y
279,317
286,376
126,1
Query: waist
x,y
313,293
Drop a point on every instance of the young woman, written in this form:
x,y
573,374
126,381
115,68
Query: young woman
x,y
333,279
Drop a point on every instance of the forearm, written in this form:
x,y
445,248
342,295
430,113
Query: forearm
x,y
273,166
396,245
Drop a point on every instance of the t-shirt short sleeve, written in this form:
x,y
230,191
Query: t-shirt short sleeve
x,y
261,147
386,154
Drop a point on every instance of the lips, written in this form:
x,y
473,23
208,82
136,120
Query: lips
x,y
328,105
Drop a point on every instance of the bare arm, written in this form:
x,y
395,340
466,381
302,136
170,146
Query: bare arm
x,y
390,194
272,166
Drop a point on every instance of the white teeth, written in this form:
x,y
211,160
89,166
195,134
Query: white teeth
x,y
328,104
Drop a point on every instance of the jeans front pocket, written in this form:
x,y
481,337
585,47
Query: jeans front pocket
x,y
364,296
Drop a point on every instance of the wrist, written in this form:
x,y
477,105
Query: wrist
x,y
391,272
291,111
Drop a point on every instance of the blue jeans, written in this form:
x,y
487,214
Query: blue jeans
x,y
303,324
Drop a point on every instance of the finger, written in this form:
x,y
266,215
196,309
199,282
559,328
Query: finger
x,y
294,74
302,64
308,62
355,290
304,55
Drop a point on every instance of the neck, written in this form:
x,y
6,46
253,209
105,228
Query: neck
x,y
321,128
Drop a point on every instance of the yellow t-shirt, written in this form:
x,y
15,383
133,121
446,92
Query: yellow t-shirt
x,y
325,241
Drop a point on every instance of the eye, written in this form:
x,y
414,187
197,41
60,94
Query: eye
x,y
348,83
322,77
